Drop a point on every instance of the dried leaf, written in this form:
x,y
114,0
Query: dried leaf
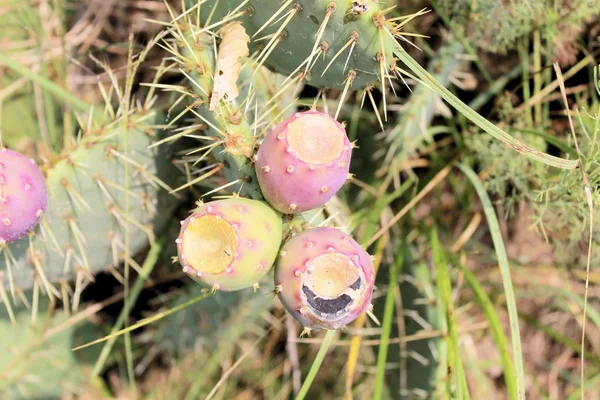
x,y
233,47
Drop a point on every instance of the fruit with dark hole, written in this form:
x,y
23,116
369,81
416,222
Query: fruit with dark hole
x,y
324,278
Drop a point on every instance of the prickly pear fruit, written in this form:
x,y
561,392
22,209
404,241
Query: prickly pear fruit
x,y
230,244
303,162
324,278
23,195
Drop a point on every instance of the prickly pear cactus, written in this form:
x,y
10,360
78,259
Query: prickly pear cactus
x,y
230,244
335,41
38,361
324,278
23,195
303,162
101,190
306,155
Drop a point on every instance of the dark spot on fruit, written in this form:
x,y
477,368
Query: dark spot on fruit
x,y
356,285
314,19
220,72
326,306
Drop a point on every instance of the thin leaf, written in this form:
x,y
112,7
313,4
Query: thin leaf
x,y
445,297
497,332
316,365
509,294
480,121
148,320
386,328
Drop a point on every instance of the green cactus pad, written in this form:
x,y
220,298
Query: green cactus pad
x,y
90,187
38,360
336,27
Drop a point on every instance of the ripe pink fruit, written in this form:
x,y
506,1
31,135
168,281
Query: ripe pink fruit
x,y
303,162
324,278
23,195
230,244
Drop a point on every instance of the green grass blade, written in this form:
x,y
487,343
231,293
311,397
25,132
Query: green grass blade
x,y
147,268
386,327
147,321
480,121
497,332
506,279
316,365
45,83
445,297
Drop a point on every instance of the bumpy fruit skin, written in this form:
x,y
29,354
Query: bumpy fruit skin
x,y
230,244
23,195
325,279
303,162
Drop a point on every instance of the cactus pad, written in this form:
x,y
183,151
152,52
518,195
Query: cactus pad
x,y
230,244
98,190
23,195
346,40
303,162
324,278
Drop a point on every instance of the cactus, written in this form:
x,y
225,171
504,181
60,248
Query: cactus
x,y
230,244
232,134
335,41
303,162
83,231
324,278
23,195
38,361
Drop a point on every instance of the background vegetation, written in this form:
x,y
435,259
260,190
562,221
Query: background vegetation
x,y
487,282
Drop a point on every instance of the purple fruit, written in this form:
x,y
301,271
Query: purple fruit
x,y
303,162
230,244
324,278
23,195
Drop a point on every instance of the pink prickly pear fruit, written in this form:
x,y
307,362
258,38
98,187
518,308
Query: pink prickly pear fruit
x,y
324,278
230,244
303,162
23,195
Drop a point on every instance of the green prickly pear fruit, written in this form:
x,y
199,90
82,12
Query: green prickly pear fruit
x,y
230,244
324,278
303,162
336,42
23,195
